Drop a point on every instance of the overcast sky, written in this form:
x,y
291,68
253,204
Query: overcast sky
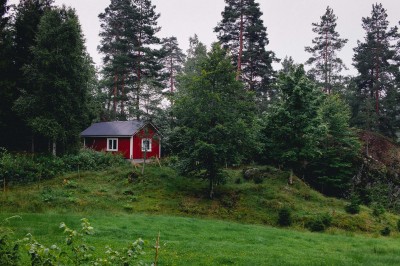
x,y
288,22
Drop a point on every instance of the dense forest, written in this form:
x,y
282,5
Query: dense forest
x,y
218,106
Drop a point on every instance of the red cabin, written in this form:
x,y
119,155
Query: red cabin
x,y
134,139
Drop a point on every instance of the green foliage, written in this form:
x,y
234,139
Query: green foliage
x,y
398,225
57,106
354,206
242,31
132,63
377,209
28,168
9,250
285,217
76,251
309,132
293,131
331,171
326,65
215,118
375,101
319,223
386,231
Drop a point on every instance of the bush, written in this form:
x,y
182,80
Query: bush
x,y
24,168
398,225
319,223
353,207
385,231
316,225
285,217
377,209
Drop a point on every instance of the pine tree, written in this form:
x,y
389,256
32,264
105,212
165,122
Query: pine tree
x,y
326,64
243,33
116,20
172,60
377,64
216,122
57,107
128,37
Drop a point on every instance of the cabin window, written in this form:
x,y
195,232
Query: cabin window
x,y
112,144
146,145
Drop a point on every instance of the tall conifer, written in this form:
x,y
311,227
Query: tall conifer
x,y
243,33
128,37
377,64
326,64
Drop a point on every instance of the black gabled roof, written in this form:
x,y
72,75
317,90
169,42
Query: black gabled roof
x,y
113,129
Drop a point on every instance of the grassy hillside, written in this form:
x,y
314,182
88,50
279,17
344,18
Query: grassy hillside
x,y
196,230
161,191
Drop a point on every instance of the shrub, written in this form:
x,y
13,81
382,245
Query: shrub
x,y
398,225
285,217
377,209
385,231
316,225
326,219
319,223
24,168
353,207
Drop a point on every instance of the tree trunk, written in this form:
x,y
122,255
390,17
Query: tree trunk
x,y
290,179
239,63
33,144
123,97
211,187
171,75
115,95
54,147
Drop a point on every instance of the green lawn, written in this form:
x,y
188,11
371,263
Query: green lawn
x,y
189,241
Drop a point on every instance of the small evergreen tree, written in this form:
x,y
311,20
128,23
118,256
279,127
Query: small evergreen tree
x,y
293,131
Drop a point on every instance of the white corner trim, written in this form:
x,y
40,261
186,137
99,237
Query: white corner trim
x,y
131,148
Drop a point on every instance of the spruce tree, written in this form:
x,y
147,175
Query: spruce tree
x,y
324,59
293,131
57,107
377,63
243,33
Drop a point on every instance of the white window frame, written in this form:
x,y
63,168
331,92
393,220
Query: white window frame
x,y
112,148
143,148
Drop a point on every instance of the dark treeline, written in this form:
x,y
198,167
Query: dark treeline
x,y
216,107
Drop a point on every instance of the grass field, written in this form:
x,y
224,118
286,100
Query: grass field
x,y
189,241
235,228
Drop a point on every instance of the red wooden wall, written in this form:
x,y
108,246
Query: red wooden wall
x,y
146,133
